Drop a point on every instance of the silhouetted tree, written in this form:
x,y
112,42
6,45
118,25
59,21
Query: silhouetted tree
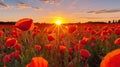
x,y
113,21
118,21
109,21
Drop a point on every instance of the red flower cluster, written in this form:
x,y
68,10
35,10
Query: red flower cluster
x,y
78,47
84,41
49,47
15,55
72,29
51,37
35,31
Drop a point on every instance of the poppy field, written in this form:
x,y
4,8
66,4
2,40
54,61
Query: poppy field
x,y
26,44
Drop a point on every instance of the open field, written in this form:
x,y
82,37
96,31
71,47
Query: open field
x,y
70,45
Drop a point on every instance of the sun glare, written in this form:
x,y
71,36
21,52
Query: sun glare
x,y
58,22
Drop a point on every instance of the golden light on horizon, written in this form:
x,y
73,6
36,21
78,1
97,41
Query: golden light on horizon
x,y
58,22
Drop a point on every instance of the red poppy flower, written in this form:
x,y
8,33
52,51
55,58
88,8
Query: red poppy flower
x,y
51,37
62,48
38,62
15,33
72,43
117,41
18,46
25,24
70,50
117,31
85,53
85,40
38,48
72,29
0,46
12,55
6,59
78,47
49,47
1,33
105,28
103,33
15,55
10,42
112,59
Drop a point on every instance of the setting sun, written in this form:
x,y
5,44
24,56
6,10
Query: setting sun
x,y
58,22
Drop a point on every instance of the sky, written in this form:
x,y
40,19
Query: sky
x,y
71,11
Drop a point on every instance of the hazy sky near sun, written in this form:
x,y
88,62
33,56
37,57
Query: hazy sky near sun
x,y
69,10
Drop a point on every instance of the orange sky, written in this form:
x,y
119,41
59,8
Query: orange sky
x,y
70,11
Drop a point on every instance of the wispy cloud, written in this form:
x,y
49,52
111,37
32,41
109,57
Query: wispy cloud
x,y
3,4
104,11
56,2
22,5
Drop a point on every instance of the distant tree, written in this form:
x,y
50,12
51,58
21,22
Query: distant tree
x,y
109,21
118,21
113,21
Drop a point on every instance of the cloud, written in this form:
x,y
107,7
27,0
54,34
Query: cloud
x,y
56,2
22,5
1,0
3,4
104,11
91,17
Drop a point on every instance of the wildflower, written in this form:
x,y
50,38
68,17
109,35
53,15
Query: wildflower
x,y
49,47
85,53
117,41
10,42
72,29
6,59
18,46
1,33
84,41
38,62
38,48
112,59
25,24
78,47
62,48
0,46
70,50
15,55
117,31
72,43
51,37
103,33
